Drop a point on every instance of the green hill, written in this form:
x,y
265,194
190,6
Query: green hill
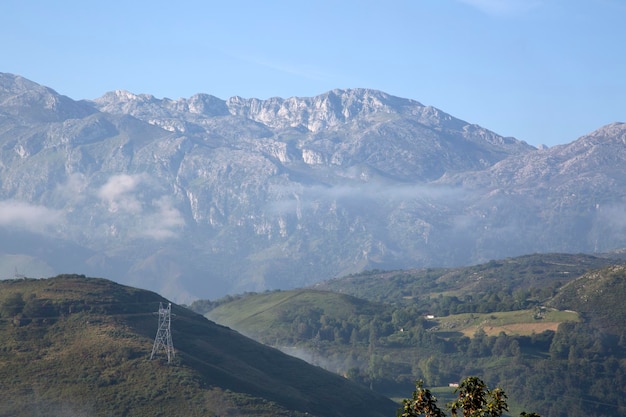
x,y
599,296
279,313
80,346
537,275
555,342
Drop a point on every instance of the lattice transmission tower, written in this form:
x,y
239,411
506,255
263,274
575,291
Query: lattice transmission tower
x,y
163,339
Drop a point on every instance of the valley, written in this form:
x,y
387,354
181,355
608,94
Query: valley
x,y
514,329
321,254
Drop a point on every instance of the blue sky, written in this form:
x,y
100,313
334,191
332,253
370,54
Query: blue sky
x,y
543,71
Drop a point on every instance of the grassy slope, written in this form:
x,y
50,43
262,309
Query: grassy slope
x,y
269,312
513,323
258,314
87,354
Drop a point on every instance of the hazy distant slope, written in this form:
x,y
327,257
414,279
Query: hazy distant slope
x,y
510,275
80,345
569,198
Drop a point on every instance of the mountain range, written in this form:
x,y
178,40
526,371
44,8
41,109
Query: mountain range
x,y
200,197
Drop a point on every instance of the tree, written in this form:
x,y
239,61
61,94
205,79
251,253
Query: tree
x,y
474,400
13,305
423,403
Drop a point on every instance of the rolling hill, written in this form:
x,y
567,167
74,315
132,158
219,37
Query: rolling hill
x,y
271,314
596,295
516,274
72,345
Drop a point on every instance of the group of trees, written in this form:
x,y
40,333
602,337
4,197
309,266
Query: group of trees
x,y
22,311
474,400
487,302
389,350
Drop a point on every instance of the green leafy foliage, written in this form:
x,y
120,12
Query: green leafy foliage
x,y
13,305
474,399
423,403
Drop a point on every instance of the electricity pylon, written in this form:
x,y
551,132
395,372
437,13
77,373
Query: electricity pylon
x,y
163,339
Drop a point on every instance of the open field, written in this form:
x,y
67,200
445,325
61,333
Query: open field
x,y
519,323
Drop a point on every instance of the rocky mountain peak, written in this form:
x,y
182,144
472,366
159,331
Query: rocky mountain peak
x,y
320,112
203,104
614,133
595,152
181,116
127,96
591,165
30,101
125,102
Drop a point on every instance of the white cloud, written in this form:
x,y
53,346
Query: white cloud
x,y
296,197
28,216
72,190
127,196
503,8
165,222
117,192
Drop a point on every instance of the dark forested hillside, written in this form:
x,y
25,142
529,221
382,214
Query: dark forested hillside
x,y
72,345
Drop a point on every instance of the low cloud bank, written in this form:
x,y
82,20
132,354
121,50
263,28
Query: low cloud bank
x,y
31,217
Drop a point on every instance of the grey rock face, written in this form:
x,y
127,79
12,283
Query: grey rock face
x,y
199,197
